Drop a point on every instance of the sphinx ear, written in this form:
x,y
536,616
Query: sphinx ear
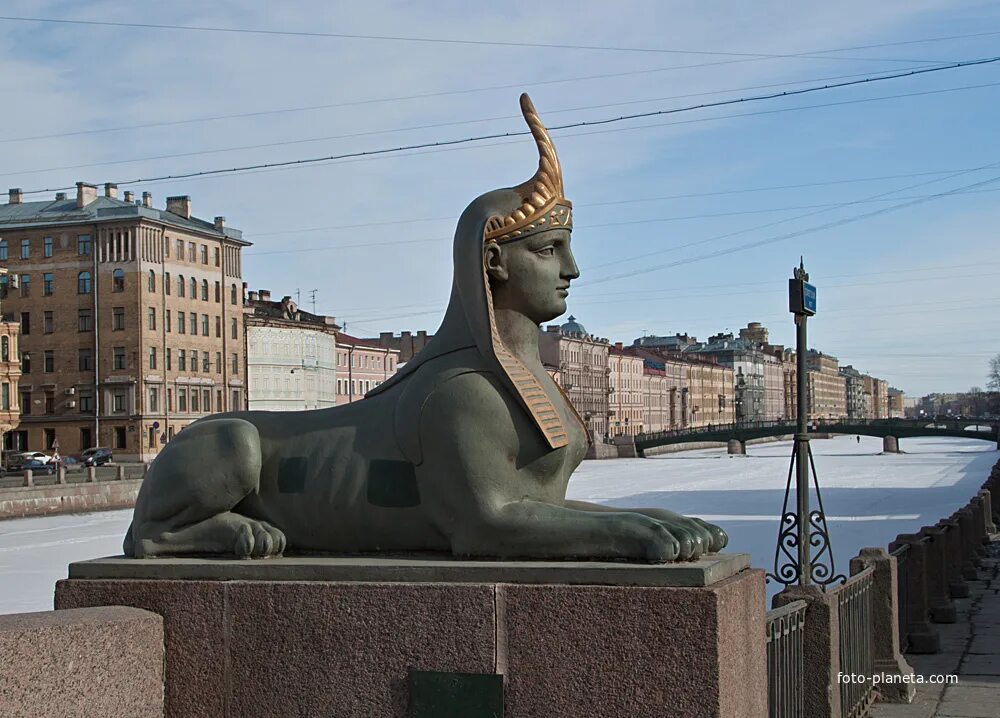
x,y
496,265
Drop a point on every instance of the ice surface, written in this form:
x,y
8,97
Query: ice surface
x,y
868,497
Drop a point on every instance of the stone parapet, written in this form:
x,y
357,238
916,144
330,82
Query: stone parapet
x,y
68,498
363,646
87,662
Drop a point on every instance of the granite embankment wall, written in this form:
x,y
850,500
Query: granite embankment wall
x,y
25,501
674,448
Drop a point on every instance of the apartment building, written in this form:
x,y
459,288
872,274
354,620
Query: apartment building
x,y
361,366
625,400
131,319
291,355
10,372
826,388
581,363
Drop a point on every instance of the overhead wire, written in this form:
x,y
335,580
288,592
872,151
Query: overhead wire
x,y
571,125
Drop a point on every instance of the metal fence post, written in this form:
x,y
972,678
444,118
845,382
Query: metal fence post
x,y
884,624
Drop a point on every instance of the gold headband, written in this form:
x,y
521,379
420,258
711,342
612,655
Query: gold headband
x,y
544,205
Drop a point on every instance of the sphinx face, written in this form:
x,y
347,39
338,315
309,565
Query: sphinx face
x,y
532,275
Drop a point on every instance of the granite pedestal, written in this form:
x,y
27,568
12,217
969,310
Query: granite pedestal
x,y
361,636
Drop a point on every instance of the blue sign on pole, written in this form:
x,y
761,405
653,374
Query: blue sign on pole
x,y
809,297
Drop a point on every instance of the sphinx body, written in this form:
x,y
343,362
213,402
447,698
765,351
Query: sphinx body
x,y
468,449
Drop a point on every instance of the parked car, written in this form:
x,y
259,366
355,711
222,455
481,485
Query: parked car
x,y
98,456
16,461
71,464
39,467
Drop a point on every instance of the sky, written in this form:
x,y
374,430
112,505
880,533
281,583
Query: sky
x,y
684,222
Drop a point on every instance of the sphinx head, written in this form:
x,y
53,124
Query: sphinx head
x,y
532,275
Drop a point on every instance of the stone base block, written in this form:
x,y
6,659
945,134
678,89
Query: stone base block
x,y
564,645
90,662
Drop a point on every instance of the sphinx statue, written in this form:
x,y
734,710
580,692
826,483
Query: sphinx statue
x,y
468,449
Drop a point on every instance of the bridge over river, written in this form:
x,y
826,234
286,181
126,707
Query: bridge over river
x,y
891,430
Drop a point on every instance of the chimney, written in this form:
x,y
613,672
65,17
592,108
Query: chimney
x,y
147,199
618,346
180,205
384,337
129,197
220,223
111,190
252,296
16,196
422,334
85,194
265,295
60,196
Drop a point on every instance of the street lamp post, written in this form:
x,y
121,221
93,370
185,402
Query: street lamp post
x,y
802,529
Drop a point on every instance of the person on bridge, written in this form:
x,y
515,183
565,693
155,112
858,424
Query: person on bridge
x,y
859,438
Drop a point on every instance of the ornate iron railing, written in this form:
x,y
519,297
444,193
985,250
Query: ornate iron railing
x,y
902,553
857,663
785,627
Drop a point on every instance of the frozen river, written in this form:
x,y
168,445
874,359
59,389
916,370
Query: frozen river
x,y
869,498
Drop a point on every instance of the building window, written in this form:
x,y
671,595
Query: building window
x,y
236,364
218,368
120,437
85,441
206,400
194,288
151,318
194,361
83,283
206,363
118,281
118,401
193,324
181,360
85,320
151,281
166,283
204,254
5,396
50,438
4,286
117,319
48,284
25,285
5,349
50,403
25,248
218,292
83,245
170,399
86,405
47,246
3,250
152,357
232,294
166,355
218,327
181,285
218,400
217,262
204,290
25,403
236,329
85,362
119,358
204,325
180,250
182,401
25,363
50,362
194,400
191,251
180,323
154,402
25,323
236,399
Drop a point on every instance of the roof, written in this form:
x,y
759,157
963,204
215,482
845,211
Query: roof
x,y
573,327
348,340
26,215
288,310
